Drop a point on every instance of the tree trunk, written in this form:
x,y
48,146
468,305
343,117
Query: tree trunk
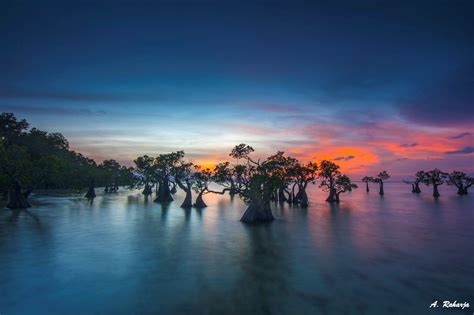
x,y
336,197
147,190
16,199
281,195
232,190
435,191
293,195
417,188
381,192
27,194
274,196
90,191
258,211
164,193
106,190
332,194
173,190
188,200
200,202
461,189
367,187
304,199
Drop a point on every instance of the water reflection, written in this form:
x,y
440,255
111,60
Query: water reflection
x,y
123,254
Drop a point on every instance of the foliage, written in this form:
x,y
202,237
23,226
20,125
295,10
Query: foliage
x,y
42,160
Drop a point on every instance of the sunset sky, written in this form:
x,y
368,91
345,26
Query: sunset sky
x,y
371,85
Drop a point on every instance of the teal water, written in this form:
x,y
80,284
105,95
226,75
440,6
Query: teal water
x,y
122,255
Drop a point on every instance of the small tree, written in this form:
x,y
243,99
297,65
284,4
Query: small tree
x,y
225,175
328,172
435,178
145,174
342,184
302,174
367,180
461,181
201,180
380,178
166,167
184,177
419,176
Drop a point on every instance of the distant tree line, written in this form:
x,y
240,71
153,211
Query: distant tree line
x,y
434,178
33,159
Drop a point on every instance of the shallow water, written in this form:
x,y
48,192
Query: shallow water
x,y
121,255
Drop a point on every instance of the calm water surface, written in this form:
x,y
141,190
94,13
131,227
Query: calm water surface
x,y
121,255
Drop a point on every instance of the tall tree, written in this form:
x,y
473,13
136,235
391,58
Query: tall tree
x,y
225,175
342,184
145,173
184,177
328,172
302,175
257,181
367,180
202,178
435,178
461,181
166,166
380,178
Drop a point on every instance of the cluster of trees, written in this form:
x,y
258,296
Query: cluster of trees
x,y
379,179
258,182
437,178
433,178
34,159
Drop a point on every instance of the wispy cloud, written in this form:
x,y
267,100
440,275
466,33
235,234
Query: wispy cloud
x,y
344,158
409,145
465,150
461,135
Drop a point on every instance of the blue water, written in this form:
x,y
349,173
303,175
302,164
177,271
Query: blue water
x,y
121,255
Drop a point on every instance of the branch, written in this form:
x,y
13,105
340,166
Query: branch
x,y
218,192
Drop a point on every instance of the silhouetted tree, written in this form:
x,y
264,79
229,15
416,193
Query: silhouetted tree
x,y
328,172
145,173
461,181
90,191
16,198
165,167
435,178
184,176
302,175
367,180
419,176
342,184
256,181
380,178
202,178
224,174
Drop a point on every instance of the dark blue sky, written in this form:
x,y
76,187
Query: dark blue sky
x,y
127,78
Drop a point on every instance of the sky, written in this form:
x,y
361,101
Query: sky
x,y
371,85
